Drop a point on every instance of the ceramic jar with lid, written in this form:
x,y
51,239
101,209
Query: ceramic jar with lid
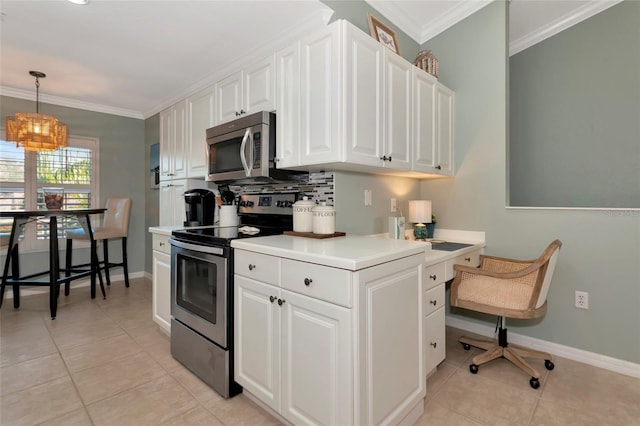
x,y
324,219
303,215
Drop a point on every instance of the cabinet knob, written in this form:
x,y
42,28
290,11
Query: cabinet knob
x,y
468,259
439,167
434,344
252,267
280,302
389,158
237,114
307,281
276,159
433,277
161,244
383,158
433,302
272,298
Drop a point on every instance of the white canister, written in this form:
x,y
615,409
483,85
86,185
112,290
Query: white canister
x,y
228,215
324,219
303,215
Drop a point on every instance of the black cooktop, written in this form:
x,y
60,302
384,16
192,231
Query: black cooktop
x,y
223,235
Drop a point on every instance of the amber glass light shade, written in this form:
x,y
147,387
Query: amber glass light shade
x,y
36,132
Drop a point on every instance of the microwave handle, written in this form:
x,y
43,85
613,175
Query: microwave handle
x,y
243,157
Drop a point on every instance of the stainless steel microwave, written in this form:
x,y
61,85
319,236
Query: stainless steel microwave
x,y
244,150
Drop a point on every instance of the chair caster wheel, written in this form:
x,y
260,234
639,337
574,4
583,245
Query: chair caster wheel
x,y
473,368
548,364
466,346
535,383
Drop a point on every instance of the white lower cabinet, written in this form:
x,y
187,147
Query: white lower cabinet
x,y
307,350
161,282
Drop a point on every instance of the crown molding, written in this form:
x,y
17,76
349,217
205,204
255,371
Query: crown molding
x,y
71,103
422,32
560,24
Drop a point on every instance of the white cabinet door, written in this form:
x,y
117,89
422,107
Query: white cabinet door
x,y
316,362
229,98
200,117
424,122
179,113
161,290
288,106
397,121
435,339
363,93
320,109
172,212
166,142
257,339
259,89
445,126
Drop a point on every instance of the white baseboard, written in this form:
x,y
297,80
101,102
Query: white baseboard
x,y
29,290
586,357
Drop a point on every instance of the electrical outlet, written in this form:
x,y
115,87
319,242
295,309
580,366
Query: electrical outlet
x,y
582,300
393,205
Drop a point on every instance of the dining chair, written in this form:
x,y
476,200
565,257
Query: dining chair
x,y
114,226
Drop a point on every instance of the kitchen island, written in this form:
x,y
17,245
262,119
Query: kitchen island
x,y
330,331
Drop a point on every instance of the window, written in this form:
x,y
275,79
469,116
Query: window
x,y
24,174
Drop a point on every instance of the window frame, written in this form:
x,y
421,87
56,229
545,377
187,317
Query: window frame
x,y
30,243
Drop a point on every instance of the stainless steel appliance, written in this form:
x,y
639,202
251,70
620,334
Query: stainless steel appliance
x,y
202,287
244,150
199,207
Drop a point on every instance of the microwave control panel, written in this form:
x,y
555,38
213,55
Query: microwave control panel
x,y
257,150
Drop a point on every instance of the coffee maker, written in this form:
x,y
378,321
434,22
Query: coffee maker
x,y
199,206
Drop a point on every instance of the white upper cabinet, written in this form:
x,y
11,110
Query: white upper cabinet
x,y
172,142
288,105
249,90
361,107
445,130
319,97
200,116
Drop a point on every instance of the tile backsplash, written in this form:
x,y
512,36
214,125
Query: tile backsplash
x,y
317,186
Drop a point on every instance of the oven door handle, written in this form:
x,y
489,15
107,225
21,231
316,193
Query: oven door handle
x,y
196,247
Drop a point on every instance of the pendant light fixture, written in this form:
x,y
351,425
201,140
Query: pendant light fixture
x,y
35,131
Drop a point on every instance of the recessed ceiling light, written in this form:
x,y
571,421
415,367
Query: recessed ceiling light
x,y
79,1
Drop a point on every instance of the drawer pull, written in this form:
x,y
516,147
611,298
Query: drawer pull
x,y
434,344
433,302
280,302
252,267
433,277
307,281
161,244
468,259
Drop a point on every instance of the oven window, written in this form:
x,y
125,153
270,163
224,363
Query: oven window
x,y
197,287
225,156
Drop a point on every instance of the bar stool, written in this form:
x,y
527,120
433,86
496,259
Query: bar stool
x,y
115,225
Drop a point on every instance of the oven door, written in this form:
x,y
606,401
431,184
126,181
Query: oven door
x,y
199,280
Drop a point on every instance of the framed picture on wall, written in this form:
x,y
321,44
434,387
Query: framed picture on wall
x,y
383,34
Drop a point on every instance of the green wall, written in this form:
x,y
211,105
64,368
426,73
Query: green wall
x,y
122,171
575,115
355,11
600,250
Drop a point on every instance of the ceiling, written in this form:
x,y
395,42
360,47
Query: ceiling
x,y
135,58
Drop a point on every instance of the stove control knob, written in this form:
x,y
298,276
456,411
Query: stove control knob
x,y
280,203
288,204
248,203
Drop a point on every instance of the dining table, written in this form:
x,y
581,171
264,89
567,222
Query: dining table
x,y
11,271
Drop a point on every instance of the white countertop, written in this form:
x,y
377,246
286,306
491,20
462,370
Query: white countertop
x,y
163,230
348,252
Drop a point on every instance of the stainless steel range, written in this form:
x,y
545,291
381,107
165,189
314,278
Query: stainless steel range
x,y
202,287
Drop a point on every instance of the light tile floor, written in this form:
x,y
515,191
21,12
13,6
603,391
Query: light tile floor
x,y
104,362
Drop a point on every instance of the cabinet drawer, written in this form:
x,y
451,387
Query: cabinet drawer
x,y
434,340
161,243
433,275
260,267
468,259
319,282
433,299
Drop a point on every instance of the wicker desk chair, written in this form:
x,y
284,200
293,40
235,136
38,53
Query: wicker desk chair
x,y
510,289
115,225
